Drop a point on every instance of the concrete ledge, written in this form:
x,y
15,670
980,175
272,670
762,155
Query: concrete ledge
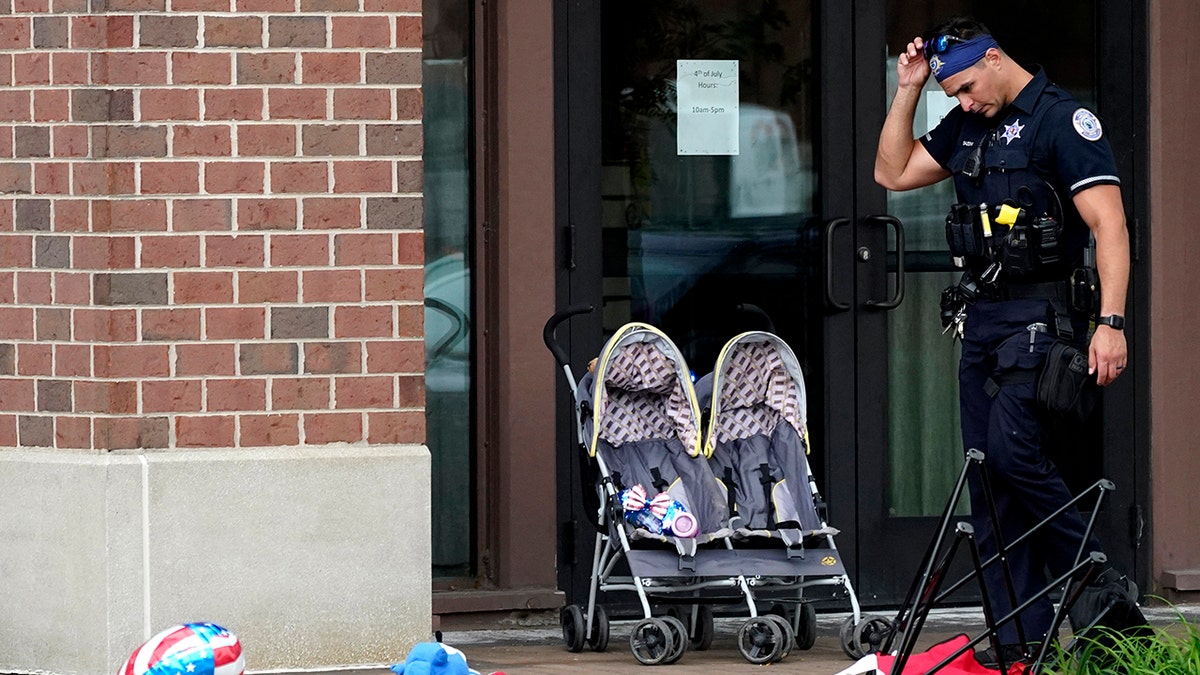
x,y
316,557
496,600
1181,580
482,608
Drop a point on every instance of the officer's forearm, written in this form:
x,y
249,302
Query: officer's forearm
x,y
1112,262
896,140
1102,210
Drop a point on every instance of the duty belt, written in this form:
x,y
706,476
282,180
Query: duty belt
x,y
1057,293
1037,290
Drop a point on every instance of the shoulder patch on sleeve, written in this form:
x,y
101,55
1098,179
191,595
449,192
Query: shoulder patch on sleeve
x,y
1087,124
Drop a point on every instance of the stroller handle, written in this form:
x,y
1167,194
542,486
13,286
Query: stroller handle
x,y
761,313
551,341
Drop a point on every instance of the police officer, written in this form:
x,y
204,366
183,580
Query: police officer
x,y
1016,139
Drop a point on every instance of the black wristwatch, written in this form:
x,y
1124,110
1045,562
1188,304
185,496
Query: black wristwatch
x,y
1113,321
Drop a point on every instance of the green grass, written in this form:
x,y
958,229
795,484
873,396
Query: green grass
x,y
1173,649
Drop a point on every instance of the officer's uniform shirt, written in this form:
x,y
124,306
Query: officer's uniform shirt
x,y
1044,136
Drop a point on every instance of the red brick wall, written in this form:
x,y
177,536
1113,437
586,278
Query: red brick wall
x,y
210,223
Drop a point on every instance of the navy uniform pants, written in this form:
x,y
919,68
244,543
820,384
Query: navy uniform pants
x,y
1026,486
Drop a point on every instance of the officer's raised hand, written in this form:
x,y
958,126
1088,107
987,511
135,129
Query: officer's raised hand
x,y
911,65
901,162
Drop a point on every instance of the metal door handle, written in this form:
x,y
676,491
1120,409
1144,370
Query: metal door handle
x,y
829,299
896,299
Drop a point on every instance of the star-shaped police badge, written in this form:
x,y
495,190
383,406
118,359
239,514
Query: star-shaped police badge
x,y
1012,131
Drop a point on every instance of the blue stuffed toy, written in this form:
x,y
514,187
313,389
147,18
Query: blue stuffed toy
x,y
434,658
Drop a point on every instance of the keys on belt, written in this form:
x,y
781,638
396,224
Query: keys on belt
x,y
954,303
958,322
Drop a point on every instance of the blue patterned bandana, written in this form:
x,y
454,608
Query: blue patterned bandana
x,y
960,56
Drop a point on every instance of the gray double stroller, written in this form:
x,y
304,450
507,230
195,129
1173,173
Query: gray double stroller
x,y
689,520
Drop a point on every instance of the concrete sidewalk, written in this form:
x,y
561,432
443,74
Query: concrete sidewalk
x,y
539,649
546,653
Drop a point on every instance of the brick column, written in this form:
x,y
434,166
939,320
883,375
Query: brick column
x,y
211,347
210,233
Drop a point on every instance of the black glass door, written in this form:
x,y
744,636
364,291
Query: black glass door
x,y
715,171
906,476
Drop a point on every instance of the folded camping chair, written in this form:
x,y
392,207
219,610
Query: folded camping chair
x,y
898,637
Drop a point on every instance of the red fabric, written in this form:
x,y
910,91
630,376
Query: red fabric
x,y
963,664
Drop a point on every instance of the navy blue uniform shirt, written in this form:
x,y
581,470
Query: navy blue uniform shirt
x,y
1044,139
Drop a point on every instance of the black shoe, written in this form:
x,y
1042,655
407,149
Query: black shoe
x,y
1109,601
1012,654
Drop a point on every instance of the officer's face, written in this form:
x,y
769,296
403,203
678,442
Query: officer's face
x,y
977,89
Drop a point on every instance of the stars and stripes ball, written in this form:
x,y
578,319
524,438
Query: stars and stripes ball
x,y
188,649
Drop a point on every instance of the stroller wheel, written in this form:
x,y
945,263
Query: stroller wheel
x,y
848,637
651,641
873,632
698,625
675,611
780,610
789,635
598,640
865,638
573,627
760,640
806,628
679,636
703,638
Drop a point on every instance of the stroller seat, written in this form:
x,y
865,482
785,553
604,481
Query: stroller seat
x,y
757,441
647,431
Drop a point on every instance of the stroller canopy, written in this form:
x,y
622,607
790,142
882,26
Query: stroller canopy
x,y
757,385
642,391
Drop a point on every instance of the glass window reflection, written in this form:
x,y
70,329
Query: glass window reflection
x,y
446,87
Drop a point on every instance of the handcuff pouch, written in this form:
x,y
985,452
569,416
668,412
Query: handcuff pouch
x,y
1085,291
